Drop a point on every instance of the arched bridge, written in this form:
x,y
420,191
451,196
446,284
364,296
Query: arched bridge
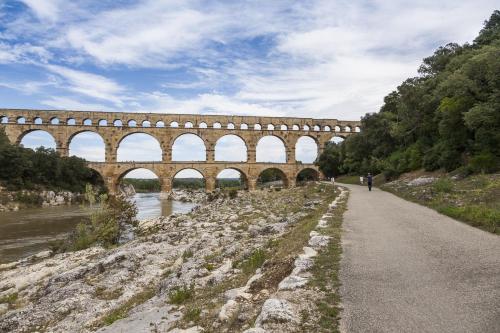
x,y
113,127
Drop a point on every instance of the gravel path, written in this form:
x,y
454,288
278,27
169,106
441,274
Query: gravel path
x,y
406,268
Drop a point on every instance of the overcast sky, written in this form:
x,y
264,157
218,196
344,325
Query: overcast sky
x,y
326,59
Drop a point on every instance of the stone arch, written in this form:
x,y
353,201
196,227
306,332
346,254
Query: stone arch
x,y
317,128
230,172
357,129
337,128
305,175
270,127
295,127
217,125
145,145
102,122
71,121
37,138
284,127
54,121
269,177
347,128
257,127
146,123
203,125
306,149
117,123
160,123
132,123
227,145
87,122
327,128
21,120
306,127
124,174
189,173
230,126
189,147
37,121
271,149
4,120
92,146
188,125
244,126
174,124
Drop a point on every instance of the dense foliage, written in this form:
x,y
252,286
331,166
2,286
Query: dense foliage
x,y
447,118
23,168
143,185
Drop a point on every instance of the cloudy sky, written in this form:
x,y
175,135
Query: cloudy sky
x,y
334,59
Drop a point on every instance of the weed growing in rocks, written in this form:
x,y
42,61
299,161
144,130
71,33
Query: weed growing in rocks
x,y
181,295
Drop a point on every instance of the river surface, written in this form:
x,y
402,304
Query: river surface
x,y
29,231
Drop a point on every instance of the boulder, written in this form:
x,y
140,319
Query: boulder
x,y
317,242
292,282
276,311
228,310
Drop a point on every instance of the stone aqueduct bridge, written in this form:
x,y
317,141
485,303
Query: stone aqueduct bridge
x,y
113,127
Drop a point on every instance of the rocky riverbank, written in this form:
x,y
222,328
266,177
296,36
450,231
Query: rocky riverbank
x,y
15,200
180,272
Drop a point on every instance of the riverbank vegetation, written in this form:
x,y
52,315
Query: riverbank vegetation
x,y
143,185
42,169
473,200
110,220
446,118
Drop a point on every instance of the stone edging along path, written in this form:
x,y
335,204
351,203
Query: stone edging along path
x,y
281,311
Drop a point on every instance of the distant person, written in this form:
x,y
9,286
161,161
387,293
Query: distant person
x,y
333,181
370,179
361,180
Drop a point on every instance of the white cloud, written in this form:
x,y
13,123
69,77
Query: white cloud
x,y
139,147
66,103
44,9
89,84
142,35
88,145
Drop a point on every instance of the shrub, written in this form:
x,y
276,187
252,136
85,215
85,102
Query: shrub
x,y
233,194
30,199
253,262
187,254
105,226
443,185
192,314
180,295
484,162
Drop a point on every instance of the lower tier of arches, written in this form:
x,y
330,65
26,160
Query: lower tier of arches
x,y
253,174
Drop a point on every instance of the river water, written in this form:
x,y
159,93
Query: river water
x,y
29,231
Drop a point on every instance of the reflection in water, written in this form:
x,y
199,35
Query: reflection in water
x,y
29,231
151,205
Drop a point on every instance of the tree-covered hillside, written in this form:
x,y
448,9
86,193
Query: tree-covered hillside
x,y
22,168
447,118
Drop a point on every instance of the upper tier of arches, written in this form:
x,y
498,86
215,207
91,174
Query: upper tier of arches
x,y
182,121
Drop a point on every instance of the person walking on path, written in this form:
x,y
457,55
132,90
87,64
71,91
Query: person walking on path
x,y
333,181
370,179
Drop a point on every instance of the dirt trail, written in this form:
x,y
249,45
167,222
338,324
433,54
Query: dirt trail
x,y
406,268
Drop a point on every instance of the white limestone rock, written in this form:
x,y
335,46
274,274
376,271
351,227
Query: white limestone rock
x,y
276,311
318,242
228,310
255,330
292,282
